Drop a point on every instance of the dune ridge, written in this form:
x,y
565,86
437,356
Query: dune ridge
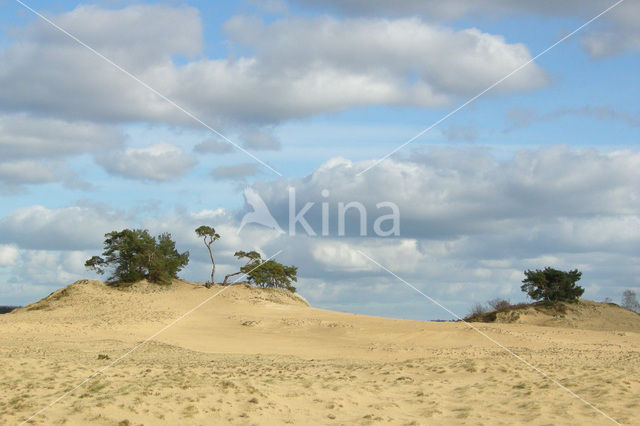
x,y
263,356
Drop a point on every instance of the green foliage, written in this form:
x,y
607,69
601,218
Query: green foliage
x,y
552,285
267,273
207,231
249,255
134,255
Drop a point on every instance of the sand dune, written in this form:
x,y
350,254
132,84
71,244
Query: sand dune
x,y
252,356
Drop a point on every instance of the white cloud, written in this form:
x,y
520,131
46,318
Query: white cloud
x,y
444,193
135,36
299,67
15,174
431,62
621,33
453,9
52,267
621,23
8,255
213,146
28,172
259,139
343,256
66,228
24,136
35,149
159,162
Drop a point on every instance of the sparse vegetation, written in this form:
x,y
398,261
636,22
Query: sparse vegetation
x,y
7,309
630,301
499,304
552,285
134,255
488,312
478,309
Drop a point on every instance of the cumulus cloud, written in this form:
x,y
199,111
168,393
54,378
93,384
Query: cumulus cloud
x,y
16,174
24,136
53,267
213,146
135,36
259,139
28,172
620,32
142,39
445,193
8,255
470,225
67,228
452,9
158,162
298,67
390,54
36,149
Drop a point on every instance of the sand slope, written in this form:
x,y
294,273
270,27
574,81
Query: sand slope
x,y
583,314
251,356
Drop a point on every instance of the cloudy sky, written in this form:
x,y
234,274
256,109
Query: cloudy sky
x,y
160,115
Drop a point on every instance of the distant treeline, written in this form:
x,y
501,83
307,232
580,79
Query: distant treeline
x,y
7,309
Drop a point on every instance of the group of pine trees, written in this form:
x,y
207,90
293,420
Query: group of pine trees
x,y
132,255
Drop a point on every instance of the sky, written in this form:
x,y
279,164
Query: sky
x,y
166,115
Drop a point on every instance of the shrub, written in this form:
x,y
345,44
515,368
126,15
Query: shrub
x,y
480,313
133,255
478,309
499,304
630,301
552,285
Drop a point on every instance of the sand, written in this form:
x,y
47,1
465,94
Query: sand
x,y
251,356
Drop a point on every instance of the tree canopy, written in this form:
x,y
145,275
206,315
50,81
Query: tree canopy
x,y
266,273
552,285
133,255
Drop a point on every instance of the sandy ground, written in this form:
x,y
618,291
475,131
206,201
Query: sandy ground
x,y
250,356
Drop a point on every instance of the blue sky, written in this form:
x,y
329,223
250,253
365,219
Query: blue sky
x,y
539,172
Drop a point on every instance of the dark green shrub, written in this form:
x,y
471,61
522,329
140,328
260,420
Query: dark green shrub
x,y
552,285
133,255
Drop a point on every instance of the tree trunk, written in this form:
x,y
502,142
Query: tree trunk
x,y
230,275
213,263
